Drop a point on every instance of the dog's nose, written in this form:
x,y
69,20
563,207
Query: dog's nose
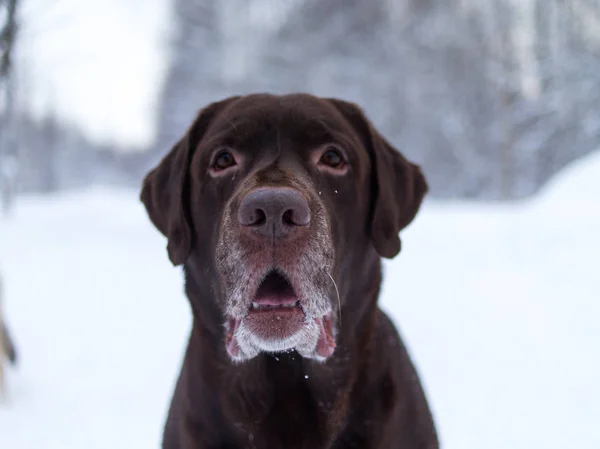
x,y
274,211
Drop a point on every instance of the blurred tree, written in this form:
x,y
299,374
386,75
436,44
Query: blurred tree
x,y
50,130
8,151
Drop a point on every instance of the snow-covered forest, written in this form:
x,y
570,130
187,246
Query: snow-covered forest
x,y
492,97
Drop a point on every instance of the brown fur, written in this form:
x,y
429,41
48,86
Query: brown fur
x,y
7,348
367,394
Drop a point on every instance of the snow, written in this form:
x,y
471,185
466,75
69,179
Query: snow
x,y
497,303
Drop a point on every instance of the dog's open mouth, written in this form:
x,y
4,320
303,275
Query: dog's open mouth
x,y
275,291
276,321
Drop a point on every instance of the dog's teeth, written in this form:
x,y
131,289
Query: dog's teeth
x,y
256,305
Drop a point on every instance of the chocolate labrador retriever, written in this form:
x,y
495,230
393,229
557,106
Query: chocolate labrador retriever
x,y
280,208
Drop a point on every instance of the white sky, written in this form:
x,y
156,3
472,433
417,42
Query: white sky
x,y
97,64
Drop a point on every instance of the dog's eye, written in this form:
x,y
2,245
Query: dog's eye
x,y
223,160
333,158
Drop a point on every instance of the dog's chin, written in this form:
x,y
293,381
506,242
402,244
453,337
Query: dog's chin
x,y
280,332
276,321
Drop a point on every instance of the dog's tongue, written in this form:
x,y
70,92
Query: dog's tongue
x,y
326,343
231,343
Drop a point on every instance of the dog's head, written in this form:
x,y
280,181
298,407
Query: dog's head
x,y
268,200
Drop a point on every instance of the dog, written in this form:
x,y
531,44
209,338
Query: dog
x,y
7,347
280,208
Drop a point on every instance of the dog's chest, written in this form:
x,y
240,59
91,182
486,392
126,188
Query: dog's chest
x,y
285,416
292,423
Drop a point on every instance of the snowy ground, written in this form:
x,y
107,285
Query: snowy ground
x,y
498,304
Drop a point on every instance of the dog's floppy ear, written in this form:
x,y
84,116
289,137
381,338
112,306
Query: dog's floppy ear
x,y
398,186
164,191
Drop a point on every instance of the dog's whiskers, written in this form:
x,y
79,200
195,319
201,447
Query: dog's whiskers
x,y
338,298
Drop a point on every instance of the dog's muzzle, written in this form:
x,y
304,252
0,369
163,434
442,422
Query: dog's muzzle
x,y
275,257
